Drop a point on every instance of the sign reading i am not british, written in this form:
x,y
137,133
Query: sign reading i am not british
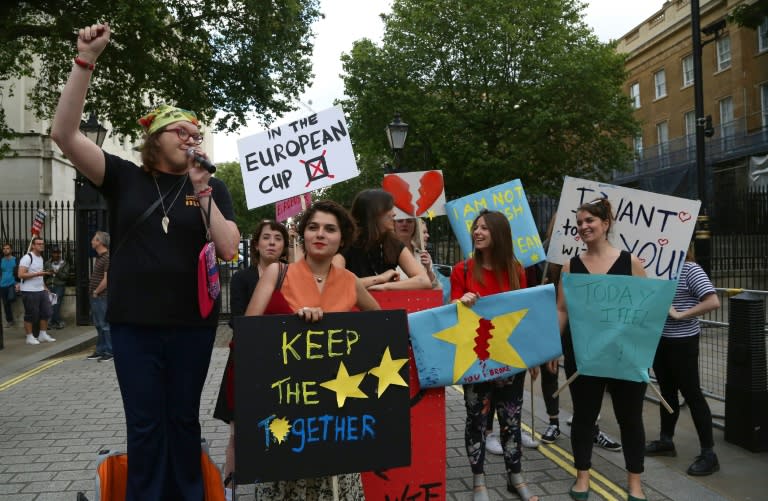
x,y
509,199
324,398
655,228
294,158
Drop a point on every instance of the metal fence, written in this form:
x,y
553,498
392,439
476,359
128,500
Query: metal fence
x,y
16,219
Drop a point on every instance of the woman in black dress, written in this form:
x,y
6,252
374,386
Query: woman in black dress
x,y
269,244
376,252
593,221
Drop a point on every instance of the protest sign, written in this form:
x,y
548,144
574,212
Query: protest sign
x,y
292,206
320,399
424,478
416,194
501,335
616,322
294,158
655,228
508,198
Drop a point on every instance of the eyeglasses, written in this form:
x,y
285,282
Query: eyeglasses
x,y
184,135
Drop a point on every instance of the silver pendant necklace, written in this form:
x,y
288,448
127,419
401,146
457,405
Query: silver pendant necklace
x,y
166,221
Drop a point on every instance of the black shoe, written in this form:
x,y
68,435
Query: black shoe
x,y
551,434
93,356
704,465
660,448
105,358
607,442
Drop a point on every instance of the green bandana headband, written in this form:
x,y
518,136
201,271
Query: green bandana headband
x,y
164,115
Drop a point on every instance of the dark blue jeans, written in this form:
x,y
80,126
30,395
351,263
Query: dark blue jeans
x,y
99,317
161,371
59,290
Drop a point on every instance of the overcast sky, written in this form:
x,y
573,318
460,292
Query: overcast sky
x,y
335,34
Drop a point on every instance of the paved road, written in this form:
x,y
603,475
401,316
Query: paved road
x,y
55,415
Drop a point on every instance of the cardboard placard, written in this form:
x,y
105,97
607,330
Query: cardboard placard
x,y
320,399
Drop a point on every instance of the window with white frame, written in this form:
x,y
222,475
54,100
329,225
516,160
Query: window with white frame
x,y
723,53
660,83
634,94
688,70
726,116
638,146
762,35
764,103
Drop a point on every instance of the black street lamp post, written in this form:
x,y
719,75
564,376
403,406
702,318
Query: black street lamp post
x,y
90,215
396,131
702,241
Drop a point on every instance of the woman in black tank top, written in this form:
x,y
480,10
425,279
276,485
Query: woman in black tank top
x,y
593,221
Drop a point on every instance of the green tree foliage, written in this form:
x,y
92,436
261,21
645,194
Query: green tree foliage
x,y
750,15
492,90
231,175
235,57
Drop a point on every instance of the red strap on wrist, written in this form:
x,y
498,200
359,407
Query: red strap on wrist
x,y
84,64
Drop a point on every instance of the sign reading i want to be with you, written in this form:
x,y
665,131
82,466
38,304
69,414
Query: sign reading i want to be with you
x,y
323,398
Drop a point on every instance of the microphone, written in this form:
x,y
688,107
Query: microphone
x,y
204,162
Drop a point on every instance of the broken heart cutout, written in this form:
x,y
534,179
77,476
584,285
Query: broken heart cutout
x,y
400,191
430,189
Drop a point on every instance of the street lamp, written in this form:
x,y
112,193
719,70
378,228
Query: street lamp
x,y
93,130
90,215
702,243
396,131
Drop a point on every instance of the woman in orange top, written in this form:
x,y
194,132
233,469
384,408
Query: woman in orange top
x,y
311,287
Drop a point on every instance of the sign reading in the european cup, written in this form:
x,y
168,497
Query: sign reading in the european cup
x,y
655,228
297,157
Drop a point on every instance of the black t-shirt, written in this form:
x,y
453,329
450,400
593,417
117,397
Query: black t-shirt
x,y
153,275
367,264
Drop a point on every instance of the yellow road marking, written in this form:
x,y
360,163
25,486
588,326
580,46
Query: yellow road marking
x,y
37,370
565,461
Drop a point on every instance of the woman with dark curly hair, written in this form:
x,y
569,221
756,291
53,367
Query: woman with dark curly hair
x,y
309,288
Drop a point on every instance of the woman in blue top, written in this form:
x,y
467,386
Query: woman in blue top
x,y
676,366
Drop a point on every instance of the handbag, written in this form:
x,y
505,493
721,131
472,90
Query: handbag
x,y
208,285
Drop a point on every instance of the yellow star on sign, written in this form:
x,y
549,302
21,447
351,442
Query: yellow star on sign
x,y
345,386
535,256
463,333
388,372
430,214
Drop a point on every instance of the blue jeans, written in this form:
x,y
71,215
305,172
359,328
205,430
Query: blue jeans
x,y
59,291
99,317
161,371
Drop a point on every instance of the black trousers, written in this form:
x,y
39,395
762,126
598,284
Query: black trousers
x,y
161,371
587,396
676,366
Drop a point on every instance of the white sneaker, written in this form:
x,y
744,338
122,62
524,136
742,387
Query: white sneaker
x,y
528,441
493,445
45,337
31,339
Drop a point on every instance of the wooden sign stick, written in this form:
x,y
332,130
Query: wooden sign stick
x,y
567,382
661,399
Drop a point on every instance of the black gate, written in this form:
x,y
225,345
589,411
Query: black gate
x,y
90,217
